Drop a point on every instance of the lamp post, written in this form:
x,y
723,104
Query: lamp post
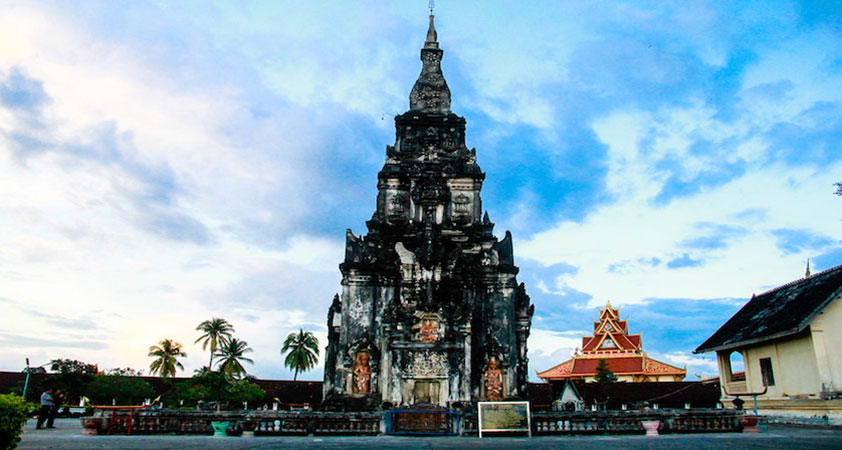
x,y
26,382
28,371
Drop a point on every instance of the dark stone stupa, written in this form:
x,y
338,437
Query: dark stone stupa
x,y
430,307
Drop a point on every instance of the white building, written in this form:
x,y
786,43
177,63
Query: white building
x,y
786,346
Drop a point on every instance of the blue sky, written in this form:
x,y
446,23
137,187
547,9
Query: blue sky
x,y
162,163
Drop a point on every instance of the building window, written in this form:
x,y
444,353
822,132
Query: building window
x,y
736,367
766,372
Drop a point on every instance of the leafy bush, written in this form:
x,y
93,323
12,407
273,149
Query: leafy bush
x,y
216,388
126,390
243,391
14,411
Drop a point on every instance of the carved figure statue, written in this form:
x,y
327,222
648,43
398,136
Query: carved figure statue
x,y
493,381
362,374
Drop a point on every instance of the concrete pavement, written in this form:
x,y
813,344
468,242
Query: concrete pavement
x,y
68,435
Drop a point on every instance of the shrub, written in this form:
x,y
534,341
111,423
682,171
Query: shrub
x,y
125,390
14,411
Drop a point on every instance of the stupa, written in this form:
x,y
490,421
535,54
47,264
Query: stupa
x,y
430,309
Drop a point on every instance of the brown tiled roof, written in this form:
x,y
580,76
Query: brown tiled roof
x,y
781,312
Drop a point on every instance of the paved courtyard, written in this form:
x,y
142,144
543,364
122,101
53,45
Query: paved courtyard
x,y
68,435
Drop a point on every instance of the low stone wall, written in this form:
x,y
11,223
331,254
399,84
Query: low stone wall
x,y
262,423
626,422
630,422
276,423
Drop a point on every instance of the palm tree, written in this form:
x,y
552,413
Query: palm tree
x,y
166,351
215,331
231,353
303,350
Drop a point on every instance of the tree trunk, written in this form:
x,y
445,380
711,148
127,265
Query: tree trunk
x,y
296,374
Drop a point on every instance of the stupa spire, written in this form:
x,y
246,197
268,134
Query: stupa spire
x,y
432,36
430,92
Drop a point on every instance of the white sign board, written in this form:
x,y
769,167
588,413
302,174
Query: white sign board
x,y
503,417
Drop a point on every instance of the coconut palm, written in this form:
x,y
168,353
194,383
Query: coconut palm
x,y
216,331
166,353
230,354
303,350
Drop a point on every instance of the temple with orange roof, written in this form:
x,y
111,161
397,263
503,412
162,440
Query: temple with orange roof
x,y
623,353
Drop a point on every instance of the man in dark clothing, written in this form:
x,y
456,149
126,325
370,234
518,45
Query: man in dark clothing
x,y
47,404
58,398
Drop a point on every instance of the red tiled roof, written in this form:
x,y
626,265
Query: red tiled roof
x,y
620,366
559,371
579,367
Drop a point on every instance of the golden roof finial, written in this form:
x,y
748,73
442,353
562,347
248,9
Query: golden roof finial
x,y
807,274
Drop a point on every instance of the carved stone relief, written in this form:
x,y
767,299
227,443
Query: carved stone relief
x,y
396,207
427,364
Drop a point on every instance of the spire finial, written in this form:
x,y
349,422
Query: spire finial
x,y
432,36
432,6
807,274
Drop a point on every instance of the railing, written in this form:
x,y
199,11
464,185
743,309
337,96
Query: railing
x,y
277,423
630,422
319,424
265,423
736,386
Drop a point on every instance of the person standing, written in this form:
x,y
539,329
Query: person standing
x,y
58,399
47,404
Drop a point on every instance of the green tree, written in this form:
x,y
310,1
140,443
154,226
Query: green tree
x,y
243,391
303,348
603,373
166,353
125,390
71,377
215,331
216,388
72,366
231,353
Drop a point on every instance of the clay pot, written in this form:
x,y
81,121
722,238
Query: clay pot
x,y
749,423
91,425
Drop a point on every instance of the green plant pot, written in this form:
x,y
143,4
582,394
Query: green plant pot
x,y
219,428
